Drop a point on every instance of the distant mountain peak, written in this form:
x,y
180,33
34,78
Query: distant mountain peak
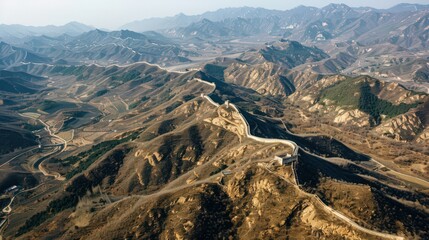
x,y
20,31
131,34
338,5
74,23
407,7
333,7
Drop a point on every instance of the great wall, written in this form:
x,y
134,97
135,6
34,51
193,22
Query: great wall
x,y
295,154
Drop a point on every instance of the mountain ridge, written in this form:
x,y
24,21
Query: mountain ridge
x,y
20,31
182,20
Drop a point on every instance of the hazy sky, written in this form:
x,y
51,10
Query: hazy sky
x,y
114,13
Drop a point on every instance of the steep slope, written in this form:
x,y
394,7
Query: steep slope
x,y
376,206
10,56
365,101
15,131
415,35
407,7
422,74
291,53
268,70
14,138
168,157
203,29
267,78
19,82
288,54
16,89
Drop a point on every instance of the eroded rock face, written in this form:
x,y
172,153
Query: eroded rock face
x,y
228,119
397,94
352,117
266,78
424,137
310,94
189,109
310,217
408,126
405,127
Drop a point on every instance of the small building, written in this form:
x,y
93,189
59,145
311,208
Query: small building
x,y
11,189
285,159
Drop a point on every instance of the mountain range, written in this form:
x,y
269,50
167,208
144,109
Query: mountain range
x,y
182,20
242,123
20,31
96,46
308,24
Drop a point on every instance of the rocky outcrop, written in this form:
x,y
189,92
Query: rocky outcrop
x,y
405,127
309,94
340,115
396,108
309,216
397,94
423,137
266,78
228,119
352,117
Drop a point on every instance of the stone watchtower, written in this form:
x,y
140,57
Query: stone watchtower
x,y
285,159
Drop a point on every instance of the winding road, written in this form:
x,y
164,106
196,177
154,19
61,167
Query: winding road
x,y
8,208
48,129
62,148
